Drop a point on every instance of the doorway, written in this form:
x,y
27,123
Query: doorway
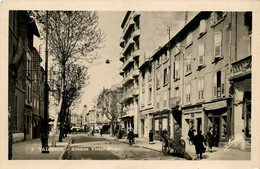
x,y
216,130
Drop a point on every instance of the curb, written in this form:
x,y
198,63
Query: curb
x,y
65,152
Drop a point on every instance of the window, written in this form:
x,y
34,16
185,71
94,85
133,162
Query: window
x,y
158,80
188,63
165,77
216,17
143,99
136,46
201,54
217,44
143,78
29,67
176,69
189,40
150,74
187,93
165,99
150,96
219,83
202,28
158,101
200,88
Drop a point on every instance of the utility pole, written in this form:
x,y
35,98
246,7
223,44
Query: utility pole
x,y
44,135
169,80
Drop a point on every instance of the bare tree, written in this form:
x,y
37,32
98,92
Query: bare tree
x,y
108,102
73,35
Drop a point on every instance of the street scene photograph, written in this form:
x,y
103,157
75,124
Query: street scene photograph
x,y
129,85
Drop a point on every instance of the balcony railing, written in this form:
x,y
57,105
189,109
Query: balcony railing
x,y
241,68
135,73
129,25
175,101
136,34
128,45
136,16
136,54
136,92
129,61
127,79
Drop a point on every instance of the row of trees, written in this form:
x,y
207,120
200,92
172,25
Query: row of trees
x,y
73,36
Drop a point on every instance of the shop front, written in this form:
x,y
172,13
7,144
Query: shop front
x,y
193,117
161,122
219,114
146,121
36,126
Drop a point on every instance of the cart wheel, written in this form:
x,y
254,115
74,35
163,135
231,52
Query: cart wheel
x,y
164,149
187,156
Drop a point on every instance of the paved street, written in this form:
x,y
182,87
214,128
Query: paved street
x,y
101,148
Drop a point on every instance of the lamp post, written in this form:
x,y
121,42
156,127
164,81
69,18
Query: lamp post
x,y
45,125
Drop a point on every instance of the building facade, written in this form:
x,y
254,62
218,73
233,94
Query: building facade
x,y
21,31
209,82
142,33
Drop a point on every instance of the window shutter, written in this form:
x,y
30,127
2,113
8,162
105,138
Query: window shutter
x,y
201,54
202,26
217,44
223,82
212,19
215,84
177,69
199,87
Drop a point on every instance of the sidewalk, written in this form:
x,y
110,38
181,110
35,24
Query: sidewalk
x,y
31,149
219,153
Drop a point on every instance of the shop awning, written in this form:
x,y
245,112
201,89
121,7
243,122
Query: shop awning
x,y
215,105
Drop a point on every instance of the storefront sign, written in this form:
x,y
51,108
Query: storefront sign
x,y
192,110
215,105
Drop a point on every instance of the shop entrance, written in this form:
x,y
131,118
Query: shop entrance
x,y
216,130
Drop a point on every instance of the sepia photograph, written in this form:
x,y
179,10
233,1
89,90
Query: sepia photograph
x,y
120,85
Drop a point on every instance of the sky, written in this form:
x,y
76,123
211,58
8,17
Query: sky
x,y
102,75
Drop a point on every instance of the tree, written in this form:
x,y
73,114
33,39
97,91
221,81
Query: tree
x,y
108,102
73,35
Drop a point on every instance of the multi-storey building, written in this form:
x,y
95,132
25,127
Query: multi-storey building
x,y
38,95
211,51
143,32
21,31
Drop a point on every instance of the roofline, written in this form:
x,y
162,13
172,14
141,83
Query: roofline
x,y
182,33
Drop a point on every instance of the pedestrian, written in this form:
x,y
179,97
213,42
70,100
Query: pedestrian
x,y
93,132
210,139
151,136
131,137
199,146
191,135
101,131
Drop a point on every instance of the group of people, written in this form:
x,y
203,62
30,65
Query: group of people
x,y
200,141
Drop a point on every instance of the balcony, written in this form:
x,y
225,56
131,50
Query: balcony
x,y
136,34
136,92
128,46
127,79
241,69
136,54
136,16
128,111
121,72
127,63
135,73
121,57
175,101
122,42
128,27
129,94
